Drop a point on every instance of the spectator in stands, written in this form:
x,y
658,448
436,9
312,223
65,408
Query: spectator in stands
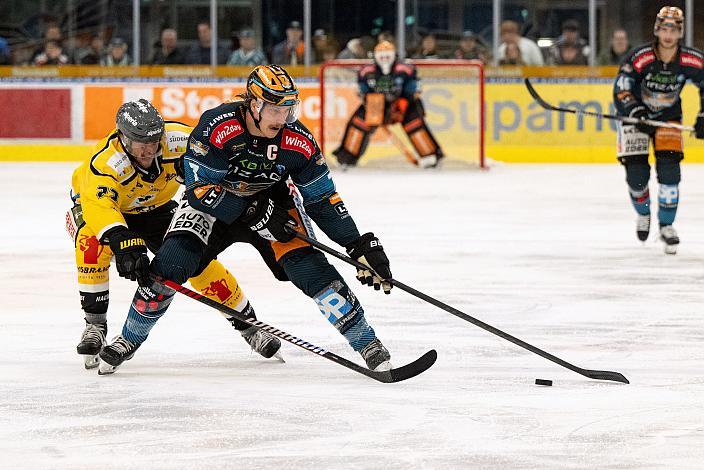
x,y
353,50
199,53
94,53
428,48
167,51
325,47
570,48
617,51
512,55
117,53
290,51
5,54
470,48
53,55
51,33
248,52
386,36
530,52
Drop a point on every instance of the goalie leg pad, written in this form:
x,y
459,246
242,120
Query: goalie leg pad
x,y
355,140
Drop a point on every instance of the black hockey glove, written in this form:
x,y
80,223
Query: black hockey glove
x,y
130,252
368,250
268,220
641,113
699,126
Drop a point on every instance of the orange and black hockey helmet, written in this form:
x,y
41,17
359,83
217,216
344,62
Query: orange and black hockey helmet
x,y
671,16
272,84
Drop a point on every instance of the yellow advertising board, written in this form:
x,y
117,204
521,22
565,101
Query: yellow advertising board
x,y
517,129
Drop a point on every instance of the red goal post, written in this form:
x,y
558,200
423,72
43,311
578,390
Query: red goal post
x,y
452,95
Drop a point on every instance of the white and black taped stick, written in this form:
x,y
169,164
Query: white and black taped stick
x,y
408,371
592,374
625,119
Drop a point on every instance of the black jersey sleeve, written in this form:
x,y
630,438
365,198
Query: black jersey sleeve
x,y
320,198
626,91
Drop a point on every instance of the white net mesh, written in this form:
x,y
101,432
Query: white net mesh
x,y
452,95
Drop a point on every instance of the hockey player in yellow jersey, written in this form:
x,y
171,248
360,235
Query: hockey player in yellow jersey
x,y
123,204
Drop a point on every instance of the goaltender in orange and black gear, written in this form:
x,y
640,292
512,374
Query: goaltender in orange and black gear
x,y
390,94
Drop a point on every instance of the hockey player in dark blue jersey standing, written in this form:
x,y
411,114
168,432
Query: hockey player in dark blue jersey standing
x,y
239,159
648,86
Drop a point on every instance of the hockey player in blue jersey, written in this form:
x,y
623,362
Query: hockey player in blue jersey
x,y
390,93
238,161
648,86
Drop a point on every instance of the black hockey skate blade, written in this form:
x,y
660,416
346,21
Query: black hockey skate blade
x,y
547,383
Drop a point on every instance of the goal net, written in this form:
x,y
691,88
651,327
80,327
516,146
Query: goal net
x,y
453,98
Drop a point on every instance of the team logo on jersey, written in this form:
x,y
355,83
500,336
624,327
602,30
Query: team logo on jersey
x,y
198,147
272,151
91,248
691,60
293,141
225,131
643,60
208,194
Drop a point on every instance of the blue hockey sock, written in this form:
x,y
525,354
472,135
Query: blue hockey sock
x,y
342,309
640,198
148,305
668,198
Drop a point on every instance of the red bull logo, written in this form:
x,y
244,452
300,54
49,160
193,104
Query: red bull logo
x,y
91,248
218,289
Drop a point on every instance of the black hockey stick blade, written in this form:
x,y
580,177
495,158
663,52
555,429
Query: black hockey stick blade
x,y
605,375
408,371
592,374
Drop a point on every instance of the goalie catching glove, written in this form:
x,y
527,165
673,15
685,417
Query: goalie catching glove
x,y
269,220
130,252
368,250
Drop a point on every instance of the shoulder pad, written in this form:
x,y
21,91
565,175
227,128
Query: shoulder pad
x,y
643,56
297,141
690,57
367,69
176,139
112,161
403,68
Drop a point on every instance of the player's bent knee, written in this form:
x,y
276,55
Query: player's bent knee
x,y
667,166
179,258
637,170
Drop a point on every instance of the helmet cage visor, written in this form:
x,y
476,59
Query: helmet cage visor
x,y
278,113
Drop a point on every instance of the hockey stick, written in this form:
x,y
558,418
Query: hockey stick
x,y
400,145
408,371
624,119
592,374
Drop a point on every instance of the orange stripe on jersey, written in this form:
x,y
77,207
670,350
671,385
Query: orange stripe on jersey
x,y
413,125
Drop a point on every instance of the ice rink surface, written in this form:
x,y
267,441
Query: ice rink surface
x,y
546,253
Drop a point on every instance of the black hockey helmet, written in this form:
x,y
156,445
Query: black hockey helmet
x,y
139,121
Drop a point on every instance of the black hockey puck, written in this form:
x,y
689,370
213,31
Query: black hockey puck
x,y
543,382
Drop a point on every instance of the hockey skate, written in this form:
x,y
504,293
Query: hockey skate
x,y
115,353
92,341
643,227
669,236
266,344
376,356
